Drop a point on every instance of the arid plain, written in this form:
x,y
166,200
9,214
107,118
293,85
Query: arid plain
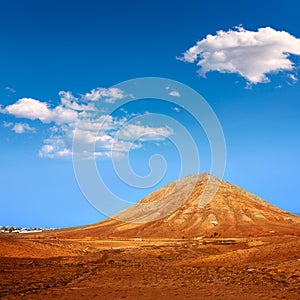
x,y
237,246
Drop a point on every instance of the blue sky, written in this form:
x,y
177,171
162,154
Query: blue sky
x,y
49,48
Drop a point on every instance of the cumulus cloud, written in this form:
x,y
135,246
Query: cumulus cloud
x,y
115,137
251,54
22,128
109,95
69,101
54,151
118,136
19,127
32,109
80,115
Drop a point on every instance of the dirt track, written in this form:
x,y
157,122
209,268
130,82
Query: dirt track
x,y
253,268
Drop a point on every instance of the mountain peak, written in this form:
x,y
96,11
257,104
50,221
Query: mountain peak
x,y
197,205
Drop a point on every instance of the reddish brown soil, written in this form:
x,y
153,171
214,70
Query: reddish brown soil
x,y
253,252
40,267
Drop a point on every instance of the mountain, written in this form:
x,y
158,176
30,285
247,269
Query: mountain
x,y
194,206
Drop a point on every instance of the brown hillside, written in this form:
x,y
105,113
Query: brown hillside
x,y
188,207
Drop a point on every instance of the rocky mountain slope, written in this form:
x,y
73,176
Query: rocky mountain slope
x,y
195,206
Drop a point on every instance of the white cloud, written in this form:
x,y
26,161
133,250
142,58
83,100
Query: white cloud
x,y
63,115
144,133
22,128
32,109
10,89
116,136
49,151
56,147
7,124
109,95
251,54
69,101
91,124
46,151
103,122
293,79
174,94
111,138
106,141
19,127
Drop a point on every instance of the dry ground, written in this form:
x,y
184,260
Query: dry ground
x,y
42,267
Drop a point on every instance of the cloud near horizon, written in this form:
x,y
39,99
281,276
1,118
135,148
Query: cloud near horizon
x,y
251,54
91,123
